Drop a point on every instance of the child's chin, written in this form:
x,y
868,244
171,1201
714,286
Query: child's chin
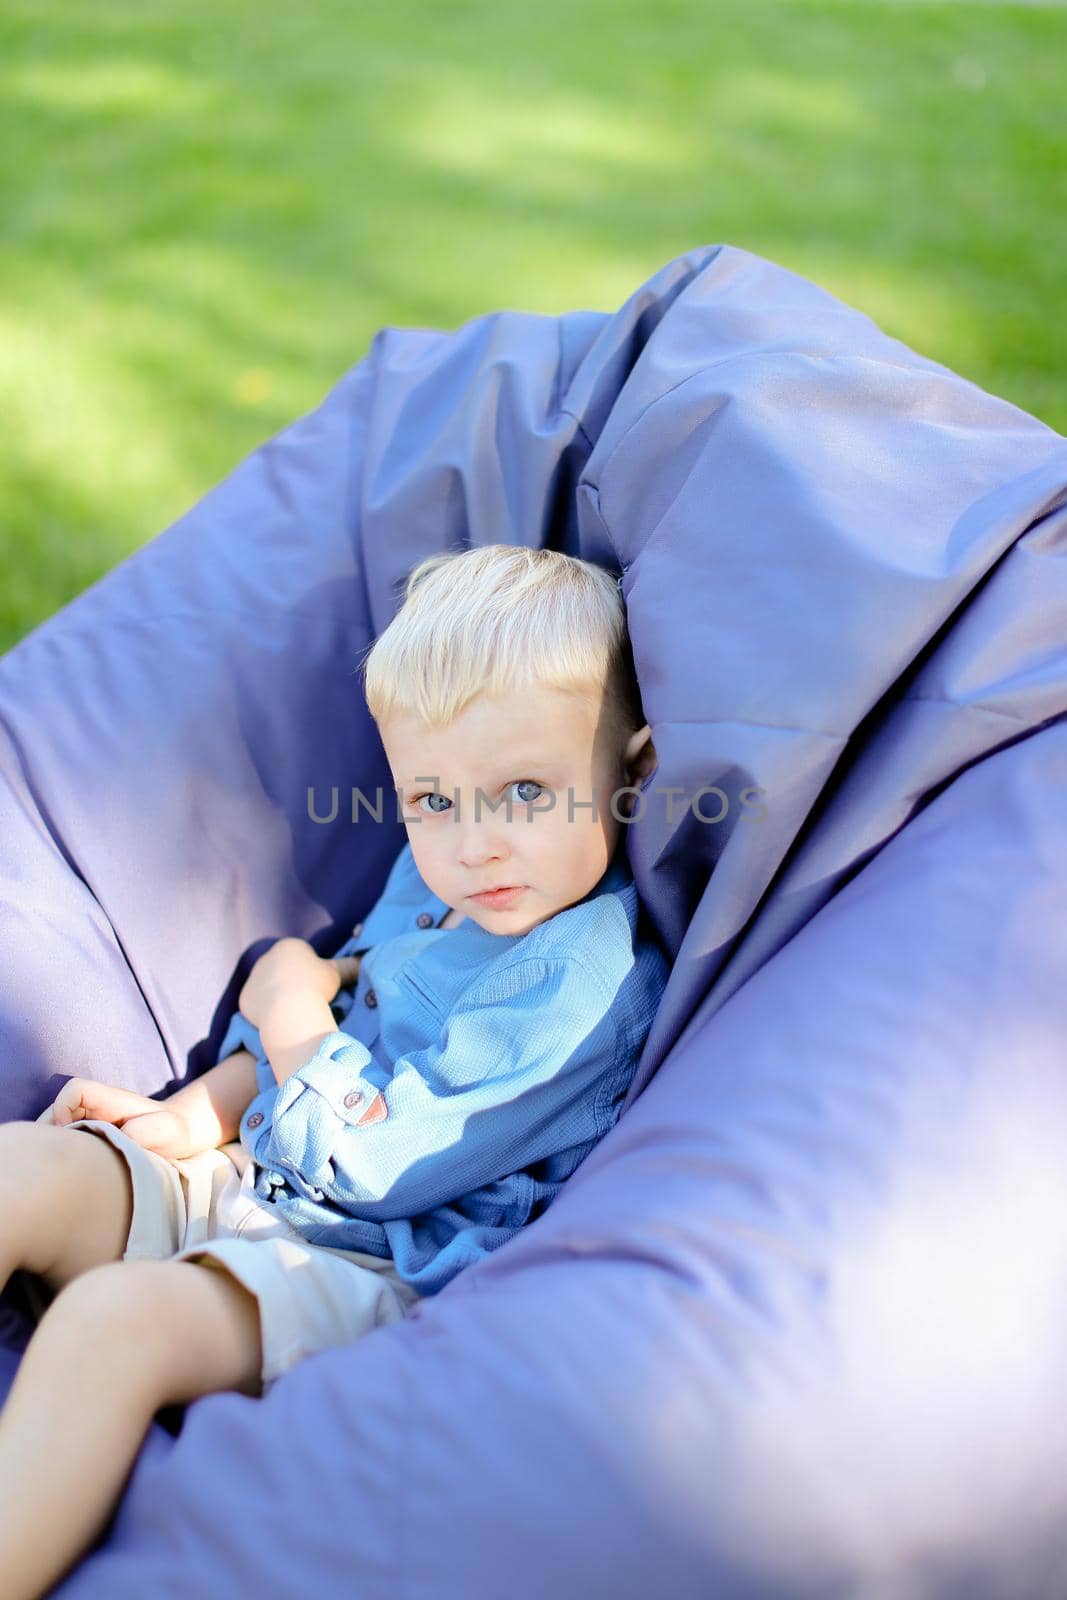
x,y
513,923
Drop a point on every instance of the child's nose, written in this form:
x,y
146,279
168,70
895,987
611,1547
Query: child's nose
x,y
480,842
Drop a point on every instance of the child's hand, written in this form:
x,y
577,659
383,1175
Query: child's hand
x,y
147,1122
292,964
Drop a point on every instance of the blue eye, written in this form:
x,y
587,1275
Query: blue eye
x,y
528,783
523,785
436,795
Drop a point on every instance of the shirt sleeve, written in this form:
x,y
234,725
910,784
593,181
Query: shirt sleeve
x,y
511,1079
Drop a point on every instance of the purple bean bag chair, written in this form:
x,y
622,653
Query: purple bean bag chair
x,y
797,1326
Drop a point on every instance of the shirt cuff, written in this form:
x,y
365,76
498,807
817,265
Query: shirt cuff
x,y
322,1099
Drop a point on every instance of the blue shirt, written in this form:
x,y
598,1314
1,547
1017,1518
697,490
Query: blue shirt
x,y
469,1075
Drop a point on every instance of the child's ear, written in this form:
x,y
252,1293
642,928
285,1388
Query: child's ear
x,y
640,755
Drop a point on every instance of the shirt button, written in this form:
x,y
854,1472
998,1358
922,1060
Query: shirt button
x,y
357,930
424,919
255,1119
276,1179
370,999
353,1098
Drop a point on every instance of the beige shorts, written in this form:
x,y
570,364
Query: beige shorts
x,y
203,1208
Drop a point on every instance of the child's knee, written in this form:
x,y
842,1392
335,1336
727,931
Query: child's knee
x,y
116,1300
183,1332
40,1151
67,1199
100,1333
24,1143
33,1164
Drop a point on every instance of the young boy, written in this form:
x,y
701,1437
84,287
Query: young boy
x,y
495,1003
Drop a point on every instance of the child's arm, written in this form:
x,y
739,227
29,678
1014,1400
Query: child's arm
x,y
213,1104
287,997
293,1028
205,1113
288,991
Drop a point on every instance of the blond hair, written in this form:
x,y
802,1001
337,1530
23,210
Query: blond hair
x,y
492,619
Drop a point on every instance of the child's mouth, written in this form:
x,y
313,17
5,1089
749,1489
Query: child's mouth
x,y
498,899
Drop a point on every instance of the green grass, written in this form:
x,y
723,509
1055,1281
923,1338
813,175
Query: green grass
x,y
207,211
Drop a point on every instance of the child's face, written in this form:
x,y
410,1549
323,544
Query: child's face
x,y
539,744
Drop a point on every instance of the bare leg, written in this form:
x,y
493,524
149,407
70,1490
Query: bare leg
x,y
117,1344
66,1201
